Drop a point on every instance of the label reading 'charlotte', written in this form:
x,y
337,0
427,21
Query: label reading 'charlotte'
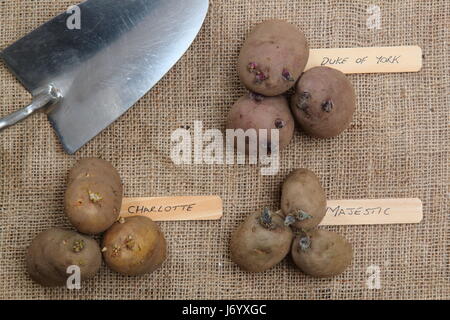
x,y
373,211
174,208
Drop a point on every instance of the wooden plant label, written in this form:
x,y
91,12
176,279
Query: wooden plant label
x,y
377,211
368,60
339,212
174,208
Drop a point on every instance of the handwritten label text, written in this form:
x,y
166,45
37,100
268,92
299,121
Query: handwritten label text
x,y
342,211
330,61
159,209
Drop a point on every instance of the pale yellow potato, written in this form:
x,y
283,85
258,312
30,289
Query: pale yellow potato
x,y
134,246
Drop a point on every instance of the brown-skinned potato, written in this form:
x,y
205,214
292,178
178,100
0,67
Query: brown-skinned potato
x,y
253,111
52,251
273,57
134,246
303,199
92,206
95,167
324,102
321,253
261,242
93,196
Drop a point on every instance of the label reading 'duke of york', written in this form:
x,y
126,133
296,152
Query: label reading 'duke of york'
x,y
368,60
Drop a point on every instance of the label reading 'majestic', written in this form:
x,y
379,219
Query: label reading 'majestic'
x,y
373,211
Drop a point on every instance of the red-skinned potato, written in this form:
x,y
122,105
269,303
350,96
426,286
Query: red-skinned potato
x,y
54,250
134,246
253,111
261,242
273,57
324,102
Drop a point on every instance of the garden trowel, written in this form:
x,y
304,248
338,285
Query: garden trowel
x,y
88,66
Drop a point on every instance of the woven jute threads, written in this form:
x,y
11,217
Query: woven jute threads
x,y
397,146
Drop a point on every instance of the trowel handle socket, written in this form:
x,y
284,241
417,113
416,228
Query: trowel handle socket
x,y
43,99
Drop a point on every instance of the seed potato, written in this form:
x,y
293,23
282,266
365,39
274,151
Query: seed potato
x,y
52,251
253,111
134,246
95,167
261,242
273,57
322,253
303,200
93,196
324,102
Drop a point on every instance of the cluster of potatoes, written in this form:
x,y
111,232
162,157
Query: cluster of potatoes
x,y
271,63
265,238
131,246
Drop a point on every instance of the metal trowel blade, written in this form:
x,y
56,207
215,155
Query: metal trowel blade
x,y
103,66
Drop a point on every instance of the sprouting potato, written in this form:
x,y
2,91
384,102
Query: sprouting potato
x,y
134,246
273,57
321,253
324,102
261,242
303,200
93,196
54,250
253,111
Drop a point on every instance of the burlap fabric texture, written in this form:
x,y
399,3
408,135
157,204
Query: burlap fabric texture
x,y
397,146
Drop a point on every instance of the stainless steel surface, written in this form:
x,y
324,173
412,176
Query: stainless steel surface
x,y
43,99
121,51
